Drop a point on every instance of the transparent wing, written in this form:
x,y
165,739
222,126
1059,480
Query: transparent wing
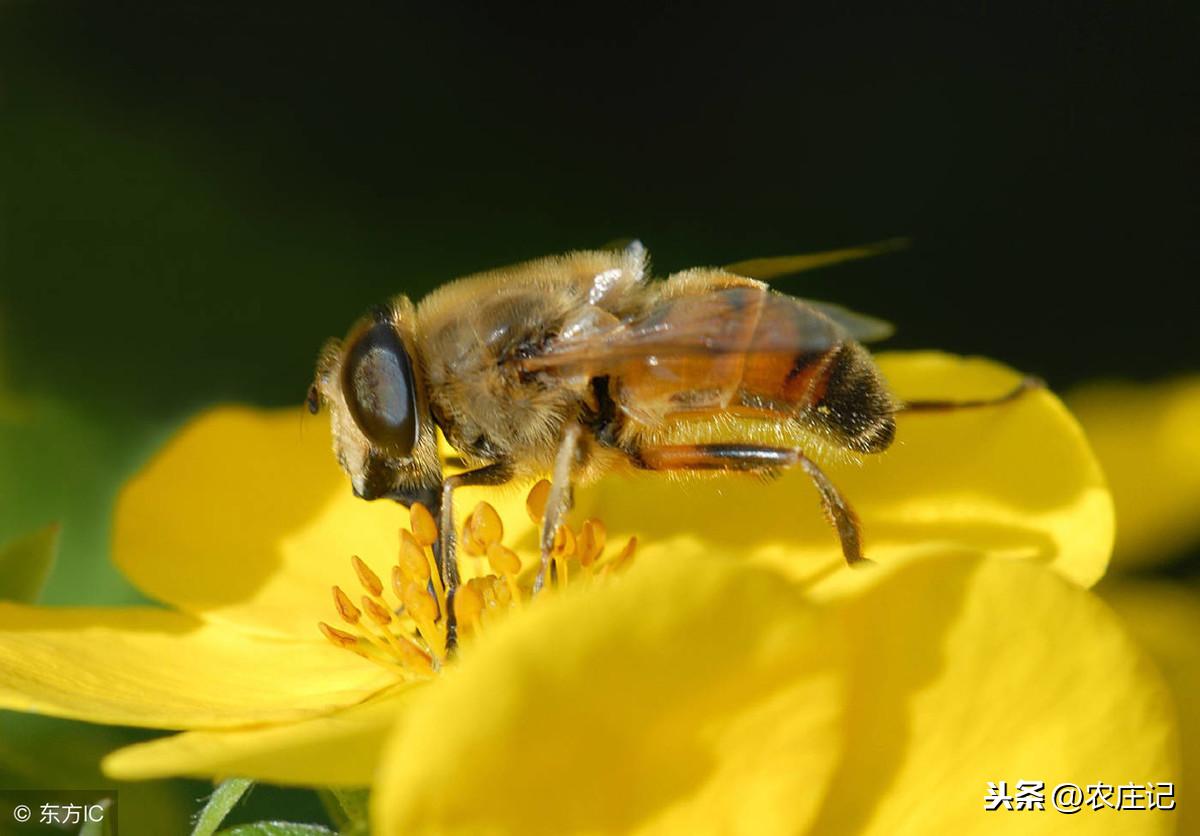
x,y
864,328
766,269
742,321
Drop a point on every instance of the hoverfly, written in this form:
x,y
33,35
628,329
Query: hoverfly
x,y
580,363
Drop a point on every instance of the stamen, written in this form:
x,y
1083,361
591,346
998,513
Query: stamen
x,y
564,543
535,502
486,527
413,561
423,610
340,638
405,625
486,590
419,604
378,613
346,609
561,552
623,558
503,560
366,576
468,606
501,591
592,537
422,524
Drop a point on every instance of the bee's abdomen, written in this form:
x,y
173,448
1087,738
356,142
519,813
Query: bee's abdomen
x,y
854,403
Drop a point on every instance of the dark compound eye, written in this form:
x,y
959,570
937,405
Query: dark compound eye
x,y
377,380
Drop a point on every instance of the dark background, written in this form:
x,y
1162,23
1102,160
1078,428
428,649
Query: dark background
x,y
195,195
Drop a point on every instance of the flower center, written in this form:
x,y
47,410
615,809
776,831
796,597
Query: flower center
x,y
402,626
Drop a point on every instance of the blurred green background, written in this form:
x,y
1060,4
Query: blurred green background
x,y
195,195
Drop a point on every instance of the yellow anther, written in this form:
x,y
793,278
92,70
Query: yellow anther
x,y
624,557
345,607
469,543
564,543
503,560
535,502
485,525
592,537
410,637
377,612
413,561
366,576
419,605
502,591
468,604
339,638
422,524
488,589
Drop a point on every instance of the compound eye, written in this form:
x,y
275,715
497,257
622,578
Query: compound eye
x,y
377,380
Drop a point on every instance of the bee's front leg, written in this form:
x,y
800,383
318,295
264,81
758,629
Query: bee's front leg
x,y
496,473
559,501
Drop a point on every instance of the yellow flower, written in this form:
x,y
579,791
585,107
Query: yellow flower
x,y
1148,439
735,679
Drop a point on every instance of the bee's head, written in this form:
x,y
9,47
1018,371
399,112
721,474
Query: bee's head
x,y
383,433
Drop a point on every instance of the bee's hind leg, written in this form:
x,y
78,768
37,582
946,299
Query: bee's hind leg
x,y
756,457
1027,384
838,511
559,501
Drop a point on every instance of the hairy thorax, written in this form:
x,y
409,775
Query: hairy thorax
x,y
486,407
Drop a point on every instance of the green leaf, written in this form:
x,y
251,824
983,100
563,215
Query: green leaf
x,y
278,828
348,809
223,799
25,564
105,827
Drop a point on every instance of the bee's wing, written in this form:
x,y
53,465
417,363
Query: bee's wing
x,y
864,328
743,346
741,321
775,267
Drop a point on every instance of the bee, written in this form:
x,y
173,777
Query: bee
x,y
580,364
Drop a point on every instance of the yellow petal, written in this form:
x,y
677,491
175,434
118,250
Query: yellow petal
x,y
1016,480
1165,619
245,517
970,670
1148,440
148,667
682,697
622,711
339,749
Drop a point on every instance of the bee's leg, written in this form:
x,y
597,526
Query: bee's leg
x,y
496,473
837,510
1027,384
756,457
559,501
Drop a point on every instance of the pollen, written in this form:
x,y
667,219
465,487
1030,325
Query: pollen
x,y
403,625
